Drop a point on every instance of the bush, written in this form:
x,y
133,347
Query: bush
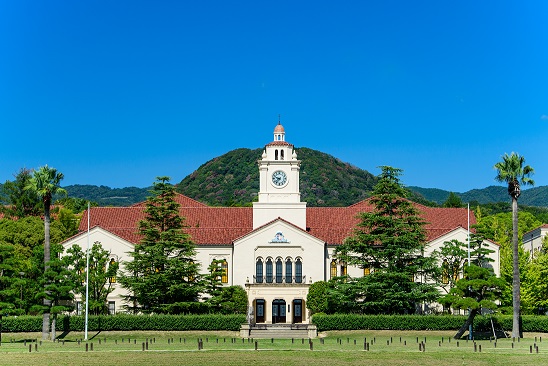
x,y
125,322
531,323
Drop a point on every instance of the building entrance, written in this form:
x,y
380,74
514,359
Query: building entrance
x,y
297,311
278,311
259,311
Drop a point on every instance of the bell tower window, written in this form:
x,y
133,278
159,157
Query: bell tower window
x,y
276,154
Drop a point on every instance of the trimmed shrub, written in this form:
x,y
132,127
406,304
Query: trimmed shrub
x,y
125,322
531,323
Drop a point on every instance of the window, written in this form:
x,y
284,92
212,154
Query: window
x,y
288,270
112,307
78,308
259,271
366,271
298,271
333,269
445,272
269,270
343,269
276,155
281,155
279,269
113,278
224,270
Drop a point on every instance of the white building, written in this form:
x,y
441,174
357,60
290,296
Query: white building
x,y
532,240
274,249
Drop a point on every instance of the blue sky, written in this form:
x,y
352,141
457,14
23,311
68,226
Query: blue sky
x,y
116,93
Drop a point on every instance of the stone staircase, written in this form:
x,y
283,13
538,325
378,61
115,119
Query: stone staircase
x,y
296,331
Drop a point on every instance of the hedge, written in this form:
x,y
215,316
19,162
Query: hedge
x,y
530,323
124,322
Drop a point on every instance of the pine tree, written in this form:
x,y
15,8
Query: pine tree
x,y
390,241
162,277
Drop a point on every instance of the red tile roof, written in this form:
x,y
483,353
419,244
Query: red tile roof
x,y
222,225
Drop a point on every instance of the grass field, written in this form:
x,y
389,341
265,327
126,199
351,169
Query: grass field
x,y
387,348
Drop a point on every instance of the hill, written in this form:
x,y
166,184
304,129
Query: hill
x,y
106,196
537,196
232,179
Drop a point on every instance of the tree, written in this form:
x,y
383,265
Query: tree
x,y
452,257
317,300
45,183
390,240
478,289
512,171
212,280
453,201
162,275
20,202
57,288
230,300
102,275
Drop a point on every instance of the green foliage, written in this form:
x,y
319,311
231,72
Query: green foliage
x,y
102,275
19,202
124,322
453,201
452,256
230,300
535,287
103,196
390,240
316,300
498,228
423,322
75,205
479,288
162,276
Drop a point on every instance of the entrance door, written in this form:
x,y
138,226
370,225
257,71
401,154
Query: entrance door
x,y
259,311
278,311
297,311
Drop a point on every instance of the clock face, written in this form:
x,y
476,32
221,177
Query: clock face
x,y
279,178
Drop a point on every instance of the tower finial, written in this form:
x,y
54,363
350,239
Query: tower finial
x,y
279,116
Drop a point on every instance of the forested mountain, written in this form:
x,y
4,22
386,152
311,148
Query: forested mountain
x,y
105,196
233,179
537,196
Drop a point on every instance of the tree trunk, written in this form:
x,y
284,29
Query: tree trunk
x,y
53,325
47,302
516,301
466,324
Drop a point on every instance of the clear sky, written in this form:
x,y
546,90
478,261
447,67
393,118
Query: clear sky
x,y
119,92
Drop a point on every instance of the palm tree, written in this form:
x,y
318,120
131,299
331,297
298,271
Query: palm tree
x,y
512,171
45,183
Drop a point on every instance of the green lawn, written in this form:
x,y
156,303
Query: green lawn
x,y
386,348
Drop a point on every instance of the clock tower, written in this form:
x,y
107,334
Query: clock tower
x,y
279,194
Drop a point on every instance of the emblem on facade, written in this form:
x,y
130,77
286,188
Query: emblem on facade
x,y
279,238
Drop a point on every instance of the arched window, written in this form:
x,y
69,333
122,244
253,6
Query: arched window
x,y
224,270
298,271
281,155
279,270
288,270
259,271
112,279
269,270
276,154
456,267
445,272
333,269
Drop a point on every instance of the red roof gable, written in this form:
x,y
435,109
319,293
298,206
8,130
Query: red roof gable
x,y
222,225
